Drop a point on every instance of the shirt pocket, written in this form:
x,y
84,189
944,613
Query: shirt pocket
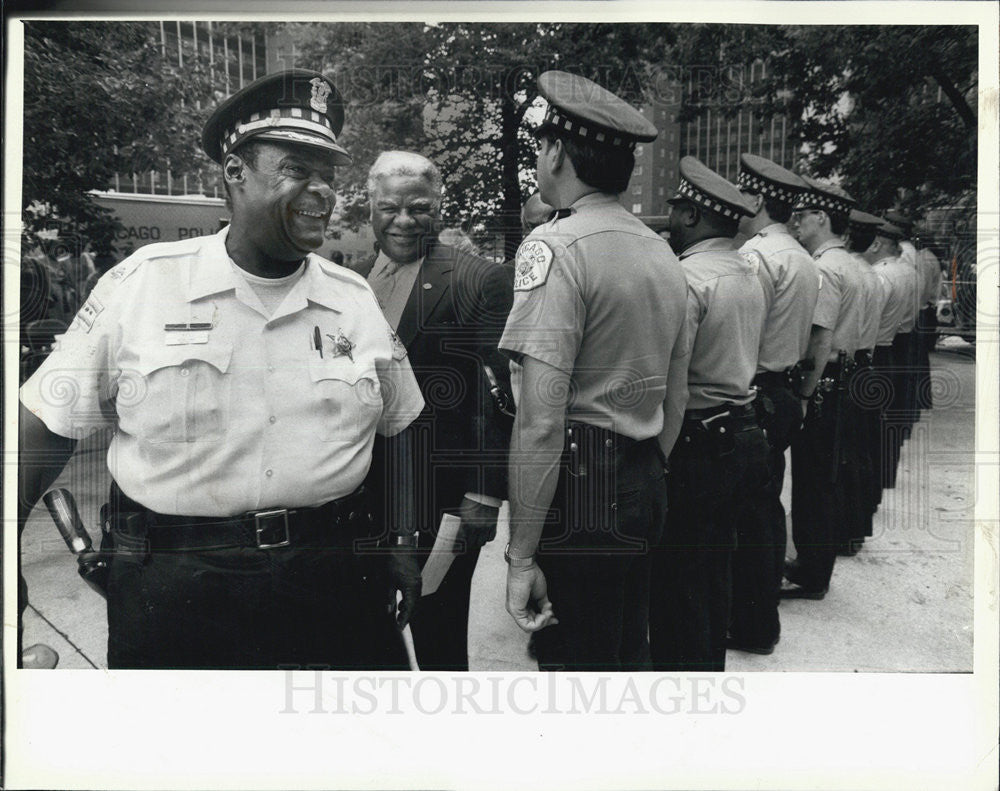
x,y
349,398
177,393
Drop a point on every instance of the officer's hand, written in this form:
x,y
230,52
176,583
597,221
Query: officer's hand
x,y
404,576
479,525
524,586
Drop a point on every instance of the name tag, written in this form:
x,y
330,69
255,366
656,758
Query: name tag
x,y
186,338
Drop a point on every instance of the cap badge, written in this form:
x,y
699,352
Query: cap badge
x,y
342,345
320,90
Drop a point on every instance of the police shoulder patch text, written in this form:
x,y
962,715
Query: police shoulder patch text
x,y
753,260
534,257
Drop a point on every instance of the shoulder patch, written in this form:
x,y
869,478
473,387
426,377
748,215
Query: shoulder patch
x,y
531,268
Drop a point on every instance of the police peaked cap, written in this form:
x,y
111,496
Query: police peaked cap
x,y
767,178
862,219
704,187
295,106
891,231
900,220
826,197
585,109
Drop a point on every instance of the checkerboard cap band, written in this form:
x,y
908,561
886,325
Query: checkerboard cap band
x,y
284,118
687,190
597,134
818,200
770,189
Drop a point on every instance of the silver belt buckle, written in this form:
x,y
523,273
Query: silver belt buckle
x,y
267,521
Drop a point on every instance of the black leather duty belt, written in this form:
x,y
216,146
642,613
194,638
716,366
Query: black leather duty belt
x,y
271,528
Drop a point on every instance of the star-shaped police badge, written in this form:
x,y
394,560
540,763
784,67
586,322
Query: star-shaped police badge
x,y
342,345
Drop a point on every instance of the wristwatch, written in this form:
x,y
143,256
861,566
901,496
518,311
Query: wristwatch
x,y
409,540
515,562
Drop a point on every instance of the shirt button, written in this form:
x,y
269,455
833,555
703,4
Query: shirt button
x,y
269,473
272,419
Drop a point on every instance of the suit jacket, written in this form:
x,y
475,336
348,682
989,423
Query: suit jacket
x,y
451,326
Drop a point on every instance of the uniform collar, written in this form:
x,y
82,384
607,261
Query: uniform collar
x,y
213,273
775,227
829,244
592,199
885,261
705,245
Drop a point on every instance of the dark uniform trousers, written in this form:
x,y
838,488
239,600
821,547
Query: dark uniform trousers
x,y
607,513
898,417
182,595
820,484
717,459
926,334
761,533
866,393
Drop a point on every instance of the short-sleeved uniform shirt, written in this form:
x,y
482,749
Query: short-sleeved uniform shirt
x,y
726,307
840,298
910,257
897,311
873,301
931,267
794,280
218,408
601,297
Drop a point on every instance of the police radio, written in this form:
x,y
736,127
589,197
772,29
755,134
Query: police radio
x,y
92,565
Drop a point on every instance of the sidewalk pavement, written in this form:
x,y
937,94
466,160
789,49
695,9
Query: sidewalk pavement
x,y
904,603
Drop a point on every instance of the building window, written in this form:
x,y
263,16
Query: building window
x,y
639,150
636,208
637,171
662,192
637,189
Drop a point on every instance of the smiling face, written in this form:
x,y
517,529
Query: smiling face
x,y
404,208
285,199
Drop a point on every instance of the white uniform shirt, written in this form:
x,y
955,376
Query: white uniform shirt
x,y
218,409
898,306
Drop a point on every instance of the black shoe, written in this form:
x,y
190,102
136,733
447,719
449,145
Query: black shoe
x,y
794,591
733,644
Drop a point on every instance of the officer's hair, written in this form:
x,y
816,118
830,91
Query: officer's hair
x,y
404,163
890,245
603,167
838,223
777,210
860,238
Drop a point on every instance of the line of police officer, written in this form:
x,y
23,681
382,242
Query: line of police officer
x,y
246,377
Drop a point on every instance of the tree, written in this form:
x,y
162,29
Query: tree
x,y
458,92
890,110
100,98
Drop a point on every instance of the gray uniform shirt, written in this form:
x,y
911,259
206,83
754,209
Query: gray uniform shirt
x,y
898,305
840,300
600,296
873,301
725,314
794,280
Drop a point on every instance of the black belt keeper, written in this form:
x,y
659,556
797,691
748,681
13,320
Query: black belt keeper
x,y
586,445
266,529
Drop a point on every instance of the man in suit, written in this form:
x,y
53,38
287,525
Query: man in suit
x,y
448,308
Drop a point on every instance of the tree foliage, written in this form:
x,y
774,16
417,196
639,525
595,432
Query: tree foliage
x,y
890,110
100,98
458,92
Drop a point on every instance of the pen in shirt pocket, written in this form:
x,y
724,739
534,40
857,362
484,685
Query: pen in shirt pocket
x,y
318,341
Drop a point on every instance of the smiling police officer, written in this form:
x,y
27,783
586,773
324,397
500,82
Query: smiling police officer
x,y
245,378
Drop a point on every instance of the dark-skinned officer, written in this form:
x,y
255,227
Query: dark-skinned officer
x,y
245,378
721,454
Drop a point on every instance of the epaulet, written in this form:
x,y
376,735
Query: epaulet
x,y
753,260
120,272
339,272
156,250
